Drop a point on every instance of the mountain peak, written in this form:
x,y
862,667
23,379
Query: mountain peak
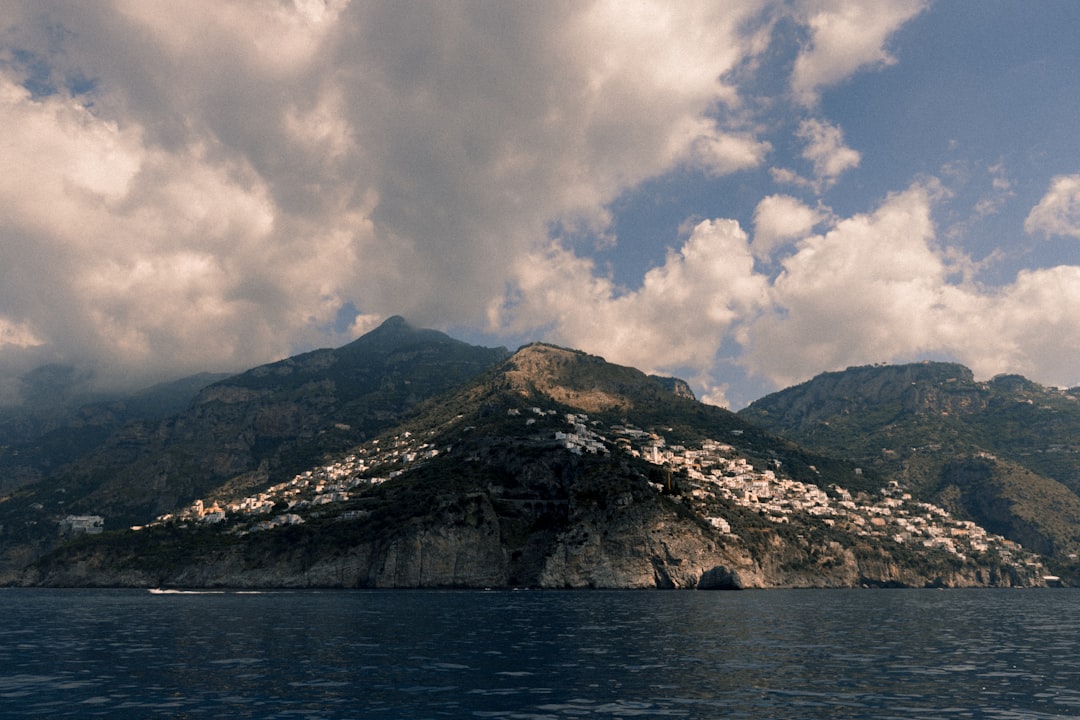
x,y
545,356
484,461
395,325
394,322
921,388
395,333
587,382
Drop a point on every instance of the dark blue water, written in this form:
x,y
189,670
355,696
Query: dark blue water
x,y
529,654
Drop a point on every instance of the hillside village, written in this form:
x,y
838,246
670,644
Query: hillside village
x,y
715,473
552,466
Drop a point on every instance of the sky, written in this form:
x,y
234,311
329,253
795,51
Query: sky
x,y
742,193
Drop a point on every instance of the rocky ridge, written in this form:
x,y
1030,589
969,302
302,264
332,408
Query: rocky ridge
x,y
557,469
1002,453
241,433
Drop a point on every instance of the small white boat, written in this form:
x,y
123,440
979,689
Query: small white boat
x,y
171,591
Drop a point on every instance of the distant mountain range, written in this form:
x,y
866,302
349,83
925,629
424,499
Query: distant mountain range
x,y
410,459
56,423
1004,453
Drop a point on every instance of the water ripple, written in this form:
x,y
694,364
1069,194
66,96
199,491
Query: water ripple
x,y
1001,655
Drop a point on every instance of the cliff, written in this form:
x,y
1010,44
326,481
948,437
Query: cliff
x,y
240,433
555,469
1001,453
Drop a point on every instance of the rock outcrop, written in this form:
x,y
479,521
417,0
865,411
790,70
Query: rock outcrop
x,y
553,469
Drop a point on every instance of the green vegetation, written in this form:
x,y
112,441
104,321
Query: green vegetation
x,y
257,428
1005,453
553,453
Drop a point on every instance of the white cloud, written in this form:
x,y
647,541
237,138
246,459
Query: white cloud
x,y
725,153
829,157
991,201
714,394
127,255
876,287
845,36
787,176
272,37
1058,212
60,160
826,151
861,292
779,219
1032,328
17,334
233,174
238,172
679,316
363,324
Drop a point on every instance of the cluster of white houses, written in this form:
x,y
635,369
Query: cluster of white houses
x,y
370,464
582,438
715,470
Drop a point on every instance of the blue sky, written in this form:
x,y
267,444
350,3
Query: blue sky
x,y
742,193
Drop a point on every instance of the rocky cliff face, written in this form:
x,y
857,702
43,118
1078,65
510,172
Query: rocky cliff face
x,y
666,554
553,469
242,432
44,435
523,518
924,388
1002,453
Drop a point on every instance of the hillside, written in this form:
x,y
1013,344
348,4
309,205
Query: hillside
x,y
53,427
556,469
245,431
1003,453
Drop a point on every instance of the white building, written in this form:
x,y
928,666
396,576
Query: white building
x,y
82,525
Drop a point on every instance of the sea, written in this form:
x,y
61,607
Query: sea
x,y
534,654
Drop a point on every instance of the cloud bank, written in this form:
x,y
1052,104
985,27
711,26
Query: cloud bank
x,y
874,287
211,185
239,172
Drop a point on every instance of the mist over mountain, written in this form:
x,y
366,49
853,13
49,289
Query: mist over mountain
x,y
53,427
44,399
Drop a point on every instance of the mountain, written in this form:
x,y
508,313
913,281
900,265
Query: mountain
x,y
244,431
52,429
1003,453
43,399
554,468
